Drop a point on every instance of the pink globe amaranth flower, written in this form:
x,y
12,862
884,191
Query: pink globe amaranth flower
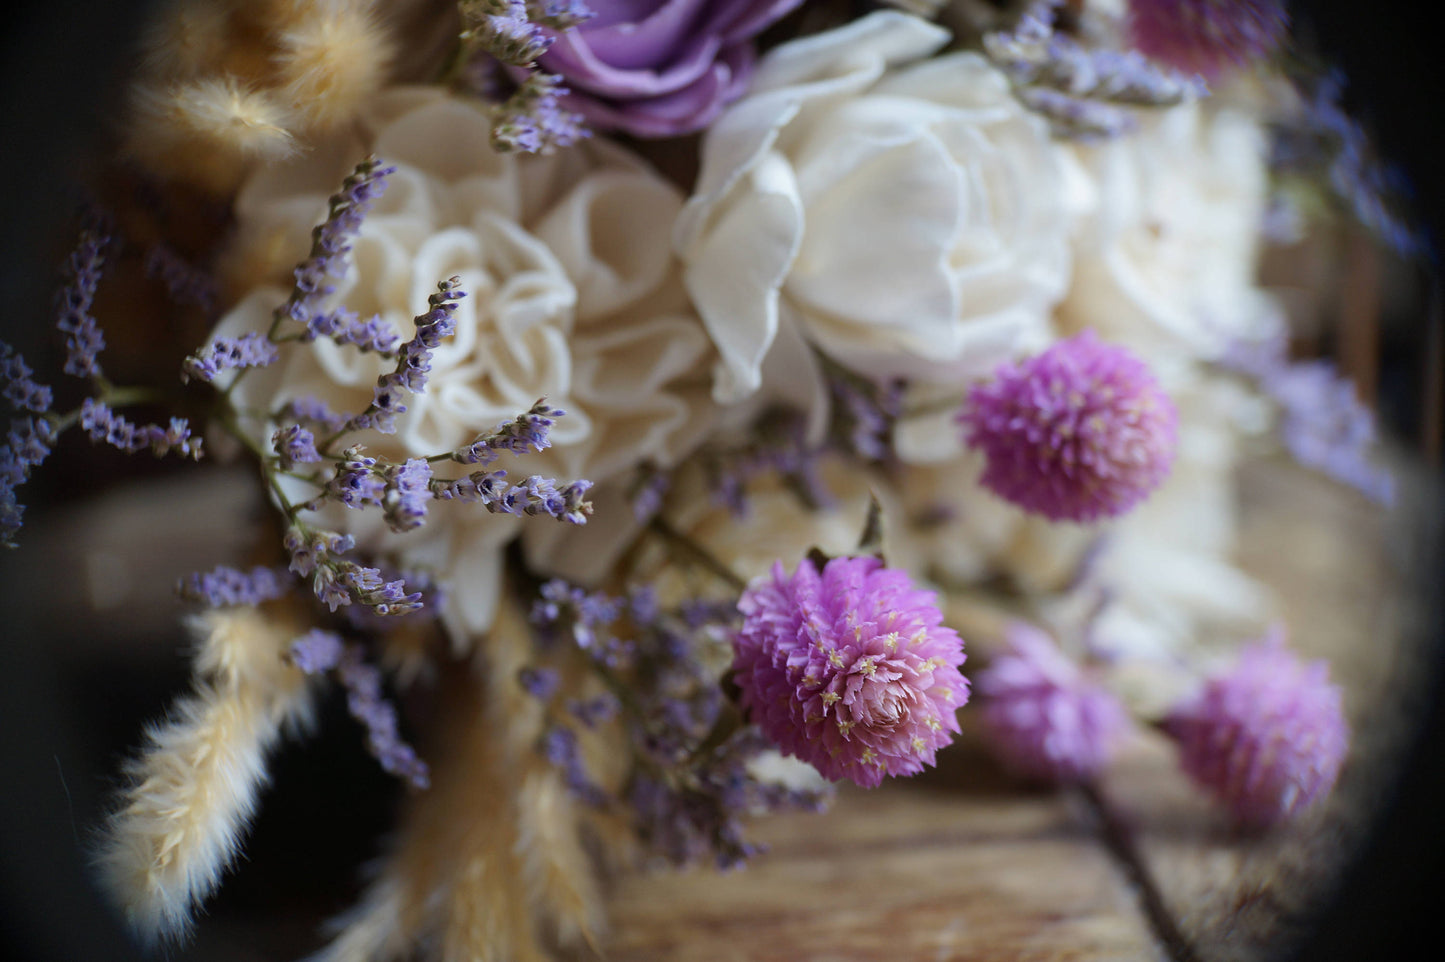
x,y
1078,433
1043,716
850,670
1267,737
1207,37
660,68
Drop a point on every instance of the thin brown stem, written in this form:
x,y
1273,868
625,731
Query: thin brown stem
x,y
1117,838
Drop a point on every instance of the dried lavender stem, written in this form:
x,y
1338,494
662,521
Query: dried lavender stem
x,y
696,552
1120,842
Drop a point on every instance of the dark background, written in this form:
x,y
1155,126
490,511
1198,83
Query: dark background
x,y
59,87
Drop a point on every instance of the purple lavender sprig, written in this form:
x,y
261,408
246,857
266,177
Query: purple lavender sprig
x,y
533,121
564,611
780,447
692,816
1374,191
559,746
294,445
358,482
504,29
17,385
1081,90
559,14
331,242
252,349
413,362
103,425
691,786
184,282
320,651
346,328
526,433
227,587
647,492
310,412
84,340
1322,423
27,445
407,491
517,32
868,413
534,496
338,581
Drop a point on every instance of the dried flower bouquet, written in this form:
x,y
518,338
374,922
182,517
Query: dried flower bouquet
x,y
680,496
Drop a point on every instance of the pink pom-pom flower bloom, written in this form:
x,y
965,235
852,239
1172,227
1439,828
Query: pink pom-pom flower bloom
x,y
850,669
1206,36
1077,433
1267,737
1043,716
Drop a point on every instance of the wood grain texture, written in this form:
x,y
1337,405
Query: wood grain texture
x,y
917,872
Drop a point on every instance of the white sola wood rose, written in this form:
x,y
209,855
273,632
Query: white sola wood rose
x,y
1166,262
572,293
904,215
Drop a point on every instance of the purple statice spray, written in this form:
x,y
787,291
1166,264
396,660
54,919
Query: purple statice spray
x,y
408,490
320,651
413,361
338,581
184,282
1078,433
103,426
1045,719
849,669
1208,37
28,440
253,349
27,444
1267,737
1328,140
331,242
1084,92
83,338
225,586
1322,423
526,433
17,385
533,121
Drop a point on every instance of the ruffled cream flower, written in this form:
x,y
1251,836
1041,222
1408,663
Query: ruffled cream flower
x,y
906,216
572,294
1166,262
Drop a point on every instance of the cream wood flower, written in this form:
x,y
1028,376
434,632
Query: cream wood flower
x,y
572,294
905,215
1166,261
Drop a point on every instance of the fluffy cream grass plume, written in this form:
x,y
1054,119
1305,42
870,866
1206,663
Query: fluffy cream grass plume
x,y
194,785
330,61
208,132
495,814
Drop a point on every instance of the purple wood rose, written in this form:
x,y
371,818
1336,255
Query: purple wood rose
x,y
660,68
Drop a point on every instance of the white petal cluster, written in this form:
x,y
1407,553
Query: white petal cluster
x,y
572,294
900,213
